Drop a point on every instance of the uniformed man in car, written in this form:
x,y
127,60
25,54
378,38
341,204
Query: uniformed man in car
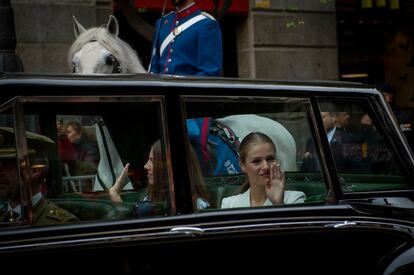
x,y
13,208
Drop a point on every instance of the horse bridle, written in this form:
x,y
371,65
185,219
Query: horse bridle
x,y
116,66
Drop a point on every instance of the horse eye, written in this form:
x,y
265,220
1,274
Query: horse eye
x,y
109,60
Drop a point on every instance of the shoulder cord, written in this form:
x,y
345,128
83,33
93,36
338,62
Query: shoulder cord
x,y
226,134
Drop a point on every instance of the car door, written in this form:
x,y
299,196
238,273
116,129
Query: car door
x,y
331,232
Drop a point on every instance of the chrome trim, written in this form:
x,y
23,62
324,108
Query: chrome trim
x,y
341,224
187,230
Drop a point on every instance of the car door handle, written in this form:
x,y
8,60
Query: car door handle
x,y
341,224
187,230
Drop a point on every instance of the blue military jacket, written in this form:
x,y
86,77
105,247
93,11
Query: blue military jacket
x,y
195,50
214,153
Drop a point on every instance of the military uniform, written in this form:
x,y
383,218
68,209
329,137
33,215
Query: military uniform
x,y
47,213
44,213
188,43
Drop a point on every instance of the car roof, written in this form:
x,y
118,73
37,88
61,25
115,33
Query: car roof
x,y
126,80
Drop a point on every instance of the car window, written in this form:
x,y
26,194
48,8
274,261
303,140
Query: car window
x,y
363,155
87,143
215,128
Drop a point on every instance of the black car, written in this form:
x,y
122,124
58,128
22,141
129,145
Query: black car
x,y
356,215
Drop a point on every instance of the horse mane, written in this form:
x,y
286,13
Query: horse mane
x,y
126,56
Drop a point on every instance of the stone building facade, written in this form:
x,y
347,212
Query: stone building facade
x,y
276,40
279,40
44,30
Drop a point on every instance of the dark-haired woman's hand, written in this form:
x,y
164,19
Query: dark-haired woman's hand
x,y
115,190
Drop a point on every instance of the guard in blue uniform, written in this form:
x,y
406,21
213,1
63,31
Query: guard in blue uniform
x,y
187,42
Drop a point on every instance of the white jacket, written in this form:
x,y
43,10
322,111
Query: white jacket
x,y
243,200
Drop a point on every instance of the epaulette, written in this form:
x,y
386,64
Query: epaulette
x,y
206,14
59,214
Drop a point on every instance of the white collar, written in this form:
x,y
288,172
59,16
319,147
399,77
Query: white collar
x,y
36,198
18,209
330,134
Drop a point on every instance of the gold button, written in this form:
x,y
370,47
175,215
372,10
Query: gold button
x,y
177,30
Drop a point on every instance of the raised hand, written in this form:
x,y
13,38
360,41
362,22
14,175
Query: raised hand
x,y
275,187
115,190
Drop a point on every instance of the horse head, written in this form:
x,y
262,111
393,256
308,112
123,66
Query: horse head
x,y
100,50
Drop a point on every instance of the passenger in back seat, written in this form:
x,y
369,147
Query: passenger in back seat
x,y
157,185
265,181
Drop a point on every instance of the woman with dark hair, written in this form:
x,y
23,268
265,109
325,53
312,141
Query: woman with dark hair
x,y
265,180
158,184
200,194
156,174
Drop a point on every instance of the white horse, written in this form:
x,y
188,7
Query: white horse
x,y
100,50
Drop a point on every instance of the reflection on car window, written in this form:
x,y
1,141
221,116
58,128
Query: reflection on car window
x,y
90,150
216,128
361,153
18,172
78,151
10,192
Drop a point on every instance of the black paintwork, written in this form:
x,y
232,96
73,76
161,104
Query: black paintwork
x,y
350,234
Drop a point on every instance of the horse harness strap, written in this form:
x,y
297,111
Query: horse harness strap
x,y
178,30
116,67
226,134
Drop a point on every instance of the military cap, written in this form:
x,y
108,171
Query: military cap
x,y
38,145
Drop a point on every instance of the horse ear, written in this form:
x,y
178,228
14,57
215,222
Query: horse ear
x,y
77,27
112,26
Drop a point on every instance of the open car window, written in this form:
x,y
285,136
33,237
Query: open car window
x,y
215,128
87,143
